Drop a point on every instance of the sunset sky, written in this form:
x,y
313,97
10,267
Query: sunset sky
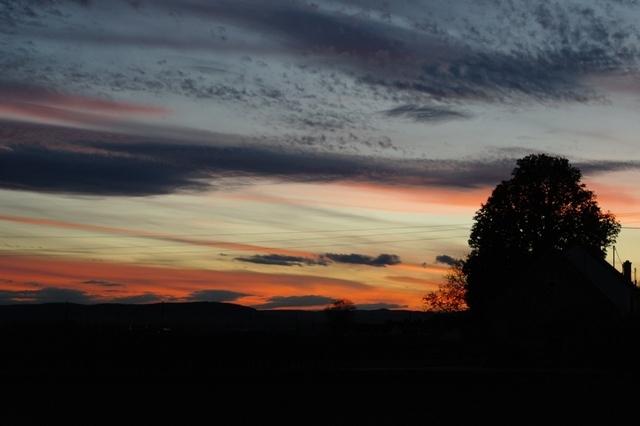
x,y
283,154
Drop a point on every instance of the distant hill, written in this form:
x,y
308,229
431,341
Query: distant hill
x,y
195,315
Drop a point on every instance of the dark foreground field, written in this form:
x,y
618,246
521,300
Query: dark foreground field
x,y
431,365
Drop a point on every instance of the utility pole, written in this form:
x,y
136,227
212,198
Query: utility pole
x,y
614,257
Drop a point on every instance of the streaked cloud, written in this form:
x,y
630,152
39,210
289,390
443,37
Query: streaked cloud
x,y
426,113
381,305
361,259
216,296
139,299
305,301
103,283
447,260
45,295
104,166
281,260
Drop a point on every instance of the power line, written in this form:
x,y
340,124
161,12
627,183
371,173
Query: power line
x,y
204,242
227,250
123,234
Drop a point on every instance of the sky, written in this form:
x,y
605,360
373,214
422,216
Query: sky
x,y
285,154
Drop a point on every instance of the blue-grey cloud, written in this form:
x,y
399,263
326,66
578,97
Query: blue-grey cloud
x,y
50,159
488,50
426,113
49,170
447,260
281,260
361,259
65,295
296,302
140,299
215,296
102,283
45,295
324,259
380,305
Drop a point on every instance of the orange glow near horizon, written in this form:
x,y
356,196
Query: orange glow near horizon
x,y
29,273
335,211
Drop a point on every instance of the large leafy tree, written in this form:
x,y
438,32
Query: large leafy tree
x,y
543,208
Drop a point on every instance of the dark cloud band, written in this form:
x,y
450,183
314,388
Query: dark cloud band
x,y
296,302
360,259
447,260
99,164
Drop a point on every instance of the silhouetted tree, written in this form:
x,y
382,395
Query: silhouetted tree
x,y
543,208
341,305
450,296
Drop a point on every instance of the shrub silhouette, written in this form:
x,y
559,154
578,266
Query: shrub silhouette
x,y
450,296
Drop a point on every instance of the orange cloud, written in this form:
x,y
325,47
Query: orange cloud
x,y
27,272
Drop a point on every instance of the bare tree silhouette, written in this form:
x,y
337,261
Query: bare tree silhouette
x,y
450,296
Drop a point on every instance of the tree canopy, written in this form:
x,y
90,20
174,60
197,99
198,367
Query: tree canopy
x,y
543,208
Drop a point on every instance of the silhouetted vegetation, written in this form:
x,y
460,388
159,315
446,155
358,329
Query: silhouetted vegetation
x,y
544,208
450,296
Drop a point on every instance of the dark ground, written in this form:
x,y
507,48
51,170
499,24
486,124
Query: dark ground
x,y
391,367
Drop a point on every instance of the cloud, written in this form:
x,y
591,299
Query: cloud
x,y
295,302
414,51
216,296
426,113
281,260
324,259
49,170
574,40
361,259
380,305
139,299
447,260
102,283
548,47
52,159
45,295
310,28
66,295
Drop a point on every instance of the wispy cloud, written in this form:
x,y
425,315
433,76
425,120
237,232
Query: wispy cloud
x,y
447,260
45,295
404,53
67,295
323,259
426,113
216,296
281,260
129,166
102,283
380,305
305,301
361,259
